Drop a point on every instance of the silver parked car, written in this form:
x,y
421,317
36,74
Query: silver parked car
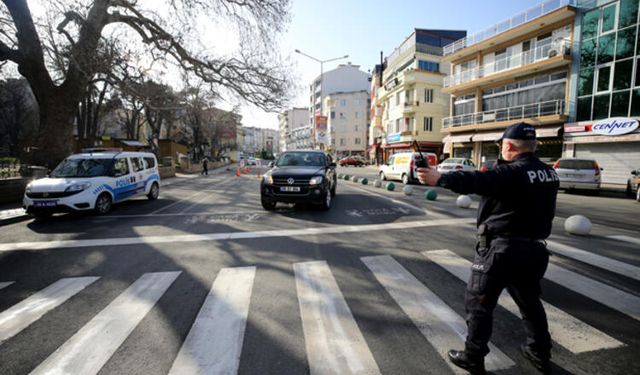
x,y
633,184
583,174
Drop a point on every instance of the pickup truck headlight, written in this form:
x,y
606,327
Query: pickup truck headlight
x,y
315,180
267,179
78,187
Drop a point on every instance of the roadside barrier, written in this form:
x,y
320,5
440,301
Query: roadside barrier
x,y
578,224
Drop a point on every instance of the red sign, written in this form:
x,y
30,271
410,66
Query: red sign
x,y
573,129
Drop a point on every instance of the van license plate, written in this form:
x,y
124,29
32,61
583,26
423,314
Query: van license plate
x,y
45,204
290,188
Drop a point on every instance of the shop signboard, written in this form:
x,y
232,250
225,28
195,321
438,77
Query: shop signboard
x,y
322,133
395,137
615,126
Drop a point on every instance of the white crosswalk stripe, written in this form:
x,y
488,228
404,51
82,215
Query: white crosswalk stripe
x,y
23,314
92,346
333,340
571,333
440,324
214,342
608,264
5,284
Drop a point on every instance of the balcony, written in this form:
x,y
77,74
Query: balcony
x,y
410,106
543,57
529,15
544,112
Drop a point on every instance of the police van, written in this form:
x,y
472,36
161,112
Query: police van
x,y
402,166
93,181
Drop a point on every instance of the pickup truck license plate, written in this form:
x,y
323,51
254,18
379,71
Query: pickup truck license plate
x,y
290,188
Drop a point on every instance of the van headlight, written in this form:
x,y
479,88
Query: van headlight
x,y
78,187
317,180
268,179
28,189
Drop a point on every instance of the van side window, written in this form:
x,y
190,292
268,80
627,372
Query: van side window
x,y
138,164
120,167
151,162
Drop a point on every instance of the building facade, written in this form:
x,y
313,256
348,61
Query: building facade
x,y
294,129
347,119
256,140
516,70
409,104
603,123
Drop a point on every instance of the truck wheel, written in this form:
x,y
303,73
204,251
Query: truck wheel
x,y
268,204
326,204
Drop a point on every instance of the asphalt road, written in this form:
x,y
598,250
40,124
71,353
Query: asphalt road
x,y
204,279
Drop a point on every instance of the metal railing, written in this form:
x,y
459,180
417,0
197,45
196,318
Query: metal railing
x,y
548,108
500,27
560,47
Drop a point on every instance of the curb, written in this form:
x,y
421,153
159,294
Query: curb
x,y
13,216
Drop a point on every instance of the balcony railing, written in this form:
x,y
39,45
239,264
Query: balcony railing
x,y
515,21
561,47
549,108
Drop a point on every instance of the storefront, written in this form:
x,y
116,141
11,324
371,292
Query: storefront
x,y
396,143
614,143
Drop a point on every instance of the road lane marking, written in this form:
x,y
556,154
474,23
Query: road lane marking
x,y
437,322
629,239
92,346
573,334
333,340
600,261
207,194
330,229
214,343
23,314
607,295
5,284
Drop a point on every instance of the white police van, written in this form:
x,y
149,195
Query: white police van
x,y
93,180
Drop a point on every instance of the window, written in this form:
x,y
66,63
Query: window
x,y
622,75
427,124
501,60
333,115
625,43
342,116
606,46
357,115
342,142
398,125
150,162
620,103
120,167
590,24
398,98
628,13
428,95
601,106
585,82
138,164
588,53
584,109
604,79
428,66
608,18
635,103
356,127
343,103
357,141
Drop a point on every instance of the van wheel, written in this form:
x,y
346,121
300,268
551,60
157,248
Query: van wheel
x,y
154,192
103,204
638,193
405,179
628,190
383,177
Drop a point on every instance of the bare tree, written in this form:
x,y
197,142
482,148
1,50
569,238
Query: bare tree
x,y
253,75
18,117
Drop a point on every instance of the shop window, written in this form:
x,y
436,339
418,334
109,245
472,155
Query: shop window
x,y
601,106
606,46
628,13
585,82
620,103
588,53
635,103
590,24
625,43
604,79
622,74
608,18
584,109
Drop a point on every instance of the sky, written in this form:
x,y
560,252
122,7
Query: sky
x,y
362,28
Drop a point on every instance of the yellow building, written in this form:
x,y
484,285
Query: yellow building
x,y
516,70
409,103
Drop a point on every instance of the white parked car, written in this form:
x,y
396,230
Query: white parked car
x,y
578,174
93,181
402,166
456,164
252,161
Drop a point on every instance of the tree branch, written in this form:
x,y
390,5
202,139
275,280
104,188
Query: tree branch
x,y
7,53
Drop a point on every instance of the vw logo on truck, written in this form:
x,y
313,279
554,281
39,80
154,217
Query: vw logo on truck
x,y
615,126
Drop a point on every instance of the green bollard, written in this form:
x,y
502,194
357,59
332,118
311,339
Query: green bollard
x,y
431,195
347,177
390,186
365,181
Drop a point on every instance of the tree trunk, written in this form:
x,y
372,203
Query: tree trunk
x,y
55,135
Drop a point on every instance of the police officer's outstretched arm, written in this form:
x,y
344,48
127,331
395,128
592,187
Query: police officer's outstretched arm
x,y
494,183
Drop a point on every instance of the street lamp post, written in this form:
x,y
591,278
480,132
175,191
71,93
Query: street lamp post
x,y
321,82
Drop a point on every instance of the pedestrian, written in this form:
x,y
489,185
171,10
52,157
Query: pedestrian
x,y
205,169
517,206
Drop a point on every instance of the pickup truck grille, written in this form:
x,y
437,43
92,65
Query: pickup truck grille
x,y
282,181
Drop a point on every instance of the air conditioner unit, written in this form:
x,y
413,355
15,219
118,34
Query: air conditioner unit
x,y
553,53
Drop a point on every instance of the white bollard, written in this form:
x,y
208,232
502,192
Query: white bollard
x,y
407,190
355,179
377,183
463,201
577,224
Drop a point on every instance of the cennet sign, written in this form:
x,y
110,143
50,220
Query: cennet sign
x,y
615,126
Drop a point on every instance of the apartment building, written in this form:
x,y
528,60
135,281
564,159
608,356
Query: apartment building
x,y
295,130
257,139
516,70
606,88
347,122
409,103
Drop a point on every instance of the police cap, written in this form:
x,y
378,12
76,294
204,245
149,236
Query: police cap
x,y
520,130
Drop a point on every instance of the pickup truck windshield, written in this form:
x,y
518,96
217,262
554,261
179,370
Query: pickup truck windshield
x,y
302,159
82,168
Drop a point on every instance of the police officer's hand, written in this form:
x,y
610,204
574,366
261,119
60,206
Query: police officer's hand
x,y
428,176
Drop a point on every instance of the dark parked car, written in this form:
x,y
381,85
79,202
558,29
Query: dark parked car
x,y
633,184
299,177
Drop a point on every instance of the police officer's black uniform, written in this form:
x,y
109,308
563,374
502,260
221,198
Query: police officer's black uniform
x,y
518,201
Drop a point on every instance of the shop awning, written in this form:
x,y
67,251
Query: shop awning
x,y
547,132
460,138
492,136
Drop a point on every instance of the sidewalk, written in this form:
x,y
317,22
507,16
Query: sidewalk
x,y
13,212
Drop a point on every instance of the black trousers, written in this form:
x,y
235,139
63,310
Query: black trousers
x,y
517,266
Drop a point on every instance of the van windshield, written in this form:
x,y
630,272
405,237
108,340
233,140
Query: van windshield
x,y
82,168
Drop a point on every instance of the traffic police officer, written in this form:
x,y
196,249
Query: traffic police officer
x,y
518,202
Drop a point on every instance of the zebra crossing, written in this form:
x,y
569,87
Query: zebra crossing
x,y
333,339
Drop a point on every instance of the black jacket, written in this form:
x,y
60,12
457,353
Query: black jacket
x,y
518,197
